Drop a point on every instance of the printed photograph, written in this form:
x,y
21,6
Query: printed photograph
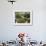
x,y
23,18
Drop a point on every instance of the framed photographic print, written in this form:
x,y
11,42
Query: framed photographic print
x,y
23,18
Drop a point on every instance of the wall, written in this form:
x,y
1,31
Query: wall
x,y
9,31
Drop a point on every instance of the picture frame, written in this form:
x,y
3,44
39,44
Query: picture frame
x,y
23,18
